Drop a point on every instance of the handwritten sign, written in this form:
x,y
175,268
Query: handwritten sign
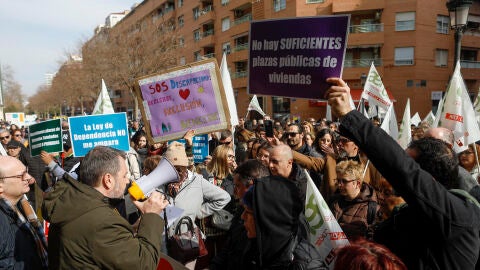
x,y
86,132
46,136
296,61
184,98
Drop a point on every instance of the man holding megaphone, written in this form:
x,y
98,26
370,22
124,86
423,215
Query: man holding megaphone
x,y
86,231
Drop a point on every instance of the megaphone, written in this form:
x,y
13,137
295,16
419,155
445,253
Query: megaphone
x,y
164,173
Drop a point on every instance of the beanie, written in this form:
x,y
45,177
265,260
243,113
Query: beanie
x,y
176,154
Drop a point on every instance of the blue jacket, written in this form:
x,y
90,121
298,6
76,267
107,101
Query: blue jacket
x,y
437,229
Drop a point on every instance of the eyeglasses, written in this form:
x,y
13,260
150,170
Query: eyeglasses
x,y
291,134
225,142
21,176
343,181
3,138
230,156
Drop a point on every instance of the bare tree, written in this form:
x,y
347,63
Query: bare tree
x,y
13,98
122,54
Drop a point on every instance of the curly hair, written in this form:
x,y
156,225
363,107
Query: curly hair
x,y
437,158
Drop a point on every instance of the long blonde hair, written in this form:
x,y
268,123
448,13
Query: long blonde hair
x,y
218,166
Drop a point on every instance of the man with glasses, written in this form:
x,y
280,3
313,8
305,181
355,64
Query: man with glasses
x,y
22,244
5,138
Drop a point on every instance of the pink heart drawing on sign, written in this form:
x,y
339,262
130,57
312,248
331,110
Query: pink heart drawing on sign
x,y
184,93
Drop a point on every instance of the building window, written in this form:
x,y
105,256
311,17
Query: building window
x,y
226,47
196,13
404,56
279,5
314,1
441,57
196,35
181,42
409,83
181,22
197,56
225,2
405,21
423,83
280,105
225,24
442,24
180,3
182,60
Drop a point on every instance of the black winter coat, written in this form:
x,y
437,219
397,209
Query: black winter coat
x,y
438,229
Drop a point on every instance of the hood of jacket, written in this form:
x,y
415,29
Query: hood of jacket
x,y
70,199
277,212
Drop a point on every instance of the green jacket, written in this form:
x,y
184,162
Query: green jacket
x,y
86,231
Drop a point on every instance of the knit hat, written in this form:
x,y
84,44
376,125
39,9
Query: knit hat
x,y
176,154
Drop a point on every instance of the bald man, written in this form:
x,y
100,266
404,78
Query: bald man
x,y
281,163
23,244
465,180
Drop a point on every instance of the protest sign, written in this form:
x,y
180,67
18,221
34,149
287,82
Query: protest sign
x,y
183,98
296,61
46,136
200,147
86,132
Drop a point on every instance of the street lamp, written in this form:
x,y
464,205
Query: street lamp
x,y
458,10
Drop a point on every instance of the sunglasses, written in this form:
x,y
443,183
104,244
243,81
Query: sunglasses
x,y
291,134
6,137
343,181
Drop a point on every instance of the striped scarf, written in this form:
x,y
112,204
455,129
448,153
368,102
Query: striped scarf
x,y
36,230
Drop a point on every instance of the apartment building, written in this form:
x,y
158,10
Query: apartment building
x,y
409,42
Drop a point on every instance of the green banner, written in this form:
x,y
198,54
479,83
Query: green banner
x,y
46,136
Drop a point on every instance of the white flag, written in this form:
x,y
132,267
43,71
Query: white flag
x,y
476,106
329,113
415,120
325,232
405,133
438,113
374,91
227,85
457,113
363,110
429,119
255,106
389,123
372,110
103,104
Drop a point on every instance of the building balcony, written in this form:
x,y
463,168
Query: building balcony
x,y
206,39
206,15
470,39
366,34
470,70
239,79
356,5
235,29
354,63
238,55
243,19
354,68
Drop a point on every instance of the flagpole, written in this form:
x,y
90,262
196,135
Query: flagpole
x,y
476,158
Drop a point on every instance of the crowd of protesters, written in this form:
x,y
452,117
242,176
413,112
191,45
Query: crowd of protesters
x,y
415,209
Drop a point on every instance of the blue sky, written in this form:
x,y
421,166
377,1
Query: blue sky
x,y
35,35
